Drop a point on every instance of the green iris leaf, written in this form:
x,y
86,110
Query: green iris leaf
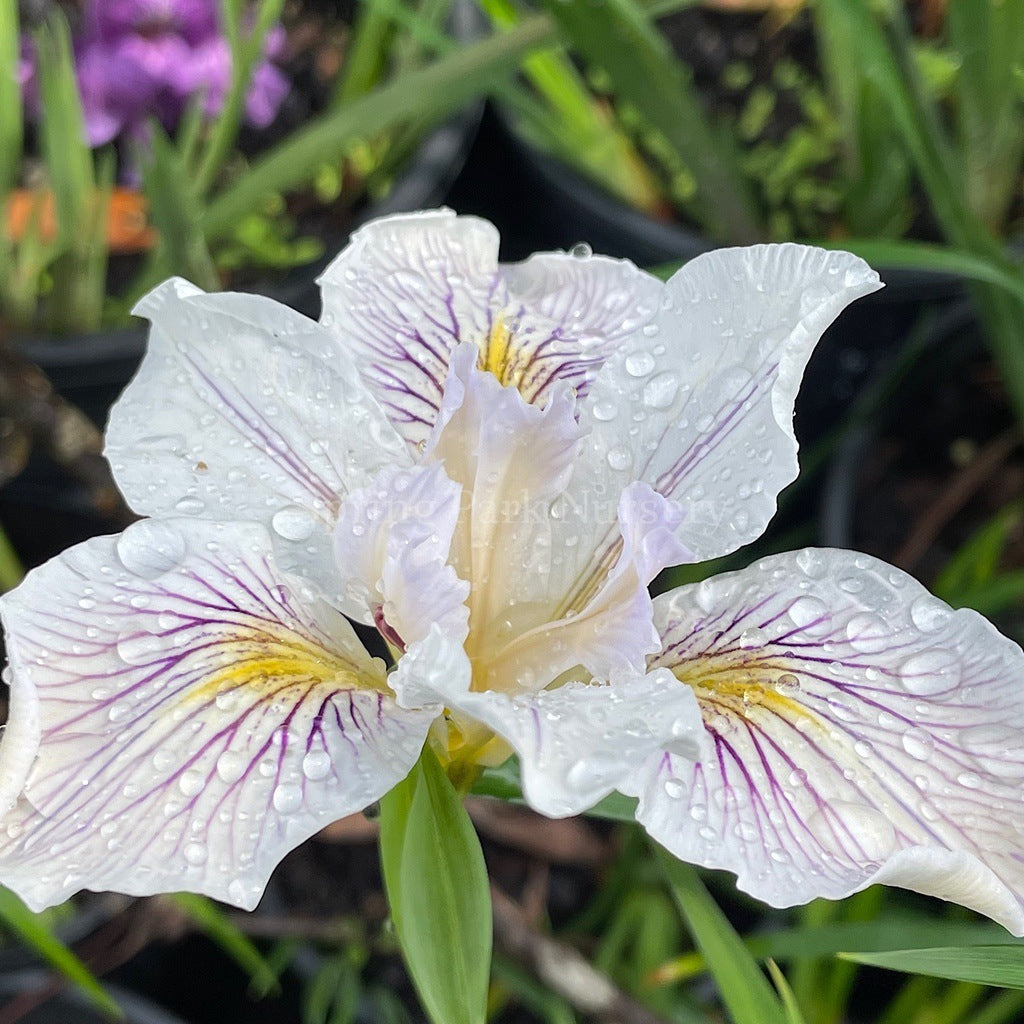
x,y
436,882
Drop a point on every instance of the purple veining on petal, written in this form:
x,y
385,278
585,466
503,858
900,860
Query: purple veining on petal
x,y
853,721
199,746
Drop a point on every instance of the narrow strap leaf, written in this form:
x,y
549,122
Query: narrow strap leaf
x,y
746,992
436,882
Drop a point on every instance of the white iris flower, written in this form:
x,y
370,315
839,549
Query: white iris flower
x,y
490,464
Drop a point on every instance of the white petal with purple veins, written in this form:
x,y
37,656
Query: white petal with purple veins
x,y
699,404
861,731
245,410
405,292
411,288
568,314
201,713
579,742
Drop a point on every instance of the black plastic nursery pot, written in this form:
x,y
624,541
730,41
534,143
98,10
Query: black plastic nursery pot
x,y
935,462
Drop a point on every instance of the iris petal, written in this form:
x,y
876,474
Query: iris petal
x,y
243,410
200,714
410,289
861,731
392,544
699,404
576,743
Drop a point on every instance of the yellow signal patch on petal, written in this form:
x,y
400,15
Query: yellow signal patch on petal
x,y
499,355
744,689
268,667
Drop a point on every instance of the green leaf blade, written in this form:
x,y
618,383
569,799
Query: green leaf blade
x,y
33,932
437,886
997,966
746,992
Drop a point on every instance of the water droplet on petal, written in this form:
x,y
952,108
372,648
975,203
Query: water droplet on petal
x,y
929,614
931,672
753,637
809,611
918,744
196,853
230,766
191,782
639,364
675,788
660,391
619,458
812,563
150,548
190,505
316,764
287,798
293,523
868,633
140,648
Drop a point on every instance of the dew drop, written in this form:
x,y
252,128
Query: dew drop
x,y
918,744
190,505
929,614
139,648
230,766
753,637
150,548
867,633
812,563
581,251
196,853
316,764
191,782
605,411
675,789
808,610
287,798
639,364
619,457
931,672
293,523
660,391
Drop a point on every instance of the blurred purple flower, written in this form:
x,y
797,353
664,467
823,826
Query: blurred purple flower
x,y
137,59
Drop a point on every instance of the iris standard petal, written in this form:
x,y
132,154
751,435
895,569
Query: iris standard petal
x,y
404,293
512,460
699,403
411,288
567,313
245,410
861,731
200,712
392,544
